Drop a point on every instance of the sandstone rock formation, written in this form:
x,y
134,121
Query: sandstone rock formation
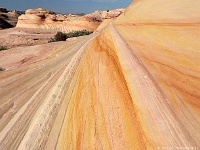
x,y
133,85
18,37
8,19
44,19
100,15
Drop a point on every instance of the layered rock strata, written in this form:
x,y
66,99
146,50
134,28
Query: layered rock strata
x,y
133,85
44,19
100,15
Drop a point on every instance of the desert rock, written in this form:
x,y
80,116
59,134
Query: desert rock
x,y
44,19
8,19
134,85
100,15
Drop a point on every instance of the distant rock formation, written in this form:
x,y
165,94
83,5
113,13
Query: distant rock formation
x,y
45,19
4,10
8,19
106,14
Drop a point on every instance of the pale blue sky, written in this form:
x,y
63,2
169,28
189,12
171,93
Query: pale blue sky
x,y
65,6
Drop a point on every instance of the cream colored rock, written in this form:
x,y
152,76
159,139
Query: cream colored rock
x,y
102,15
8,19
44,19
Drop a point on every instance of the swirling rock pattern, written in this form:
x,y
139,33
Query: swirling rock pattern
x,y
44,19
133,85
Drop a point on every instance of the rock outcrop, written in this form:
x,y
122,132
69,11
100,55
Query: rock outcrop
x,y
100,15
133,85
44,19
8,19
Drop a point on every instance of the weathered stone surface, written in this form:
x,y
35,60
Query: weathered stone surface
x,y
100,15
8,19
44,19
134,85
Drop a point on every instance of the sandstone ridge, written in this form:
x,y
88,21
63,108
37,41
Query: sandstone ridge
x,y
44,19
100,15
134,85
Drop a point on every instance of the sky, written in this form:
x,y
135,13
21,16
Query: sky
x,y
65,6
